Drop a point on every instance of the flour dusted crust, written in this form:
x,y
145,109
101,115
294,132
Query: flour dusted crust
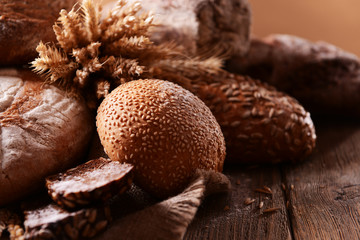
x,y
23,24
42,131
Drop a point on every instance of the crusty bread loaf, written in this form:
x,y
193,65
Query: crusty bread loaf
x,y
23,24
42,131
200,26
260,124
322,77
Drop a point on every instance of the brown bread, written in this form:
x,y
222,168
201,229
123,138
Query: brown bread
x,y
91,182
322,77
24,24
260,124
165,131
52,222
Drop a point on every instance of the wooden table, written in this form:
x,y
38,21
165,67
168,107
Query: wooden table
x,y
317,199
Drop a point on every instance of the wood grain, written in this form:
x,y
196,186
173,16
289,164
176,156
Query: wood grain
x,y
324,201
228,217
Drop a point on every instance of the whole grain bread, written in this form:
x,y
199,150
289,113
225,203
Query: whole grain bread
x,y
42,131
23,24
259,123
322,77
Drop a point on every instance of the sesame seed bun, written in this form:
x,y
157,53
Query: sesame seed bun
x,y
164,130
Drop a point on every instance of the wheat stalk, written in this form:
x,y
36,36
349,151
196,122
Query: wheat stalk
x,y
97,55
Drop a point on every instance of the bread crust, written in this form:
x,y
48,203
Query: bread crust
x,y
24,24
42,131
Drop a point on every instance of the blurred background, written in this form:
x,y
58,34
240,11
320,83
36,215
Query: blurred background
x,y
333,21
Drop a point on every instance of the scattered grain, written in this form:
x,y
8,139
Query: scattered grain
x,y
262,190
249,201
270,210
268,189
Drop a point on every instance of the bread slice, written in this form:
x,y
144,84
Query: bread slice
x,y
52,222
94,181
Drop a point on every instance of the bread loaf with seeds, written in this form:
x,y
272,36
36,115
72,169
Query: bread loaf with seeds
x,y
165,131
24,24
259,123
201,26
322,77
42,131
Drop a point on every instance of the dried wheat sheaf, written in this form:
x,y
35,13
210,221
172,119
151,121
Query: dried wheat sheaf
x,y
94,55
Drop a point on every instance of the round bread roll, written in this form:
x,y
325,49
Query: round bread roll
x,y
42,131
165,131
23,24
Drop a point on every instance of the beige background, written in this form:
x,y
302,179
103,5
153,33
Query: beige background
x,y
334,21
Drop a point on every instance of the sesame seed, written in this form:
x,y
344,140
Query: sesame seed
x,y
235,124
234,99
249,201
242,136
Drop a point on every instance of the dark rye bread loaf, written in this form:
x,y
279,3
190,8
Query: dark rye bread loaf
x,y
23,24
42,131
322,77
260,124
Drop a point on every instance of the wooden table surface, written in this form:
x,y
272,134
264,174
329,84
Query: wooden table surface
x,y
317,199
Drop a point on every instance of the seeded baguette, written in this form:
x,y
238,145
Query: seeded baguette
x,y
52,222
94,181
322,77
260,124
201,25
